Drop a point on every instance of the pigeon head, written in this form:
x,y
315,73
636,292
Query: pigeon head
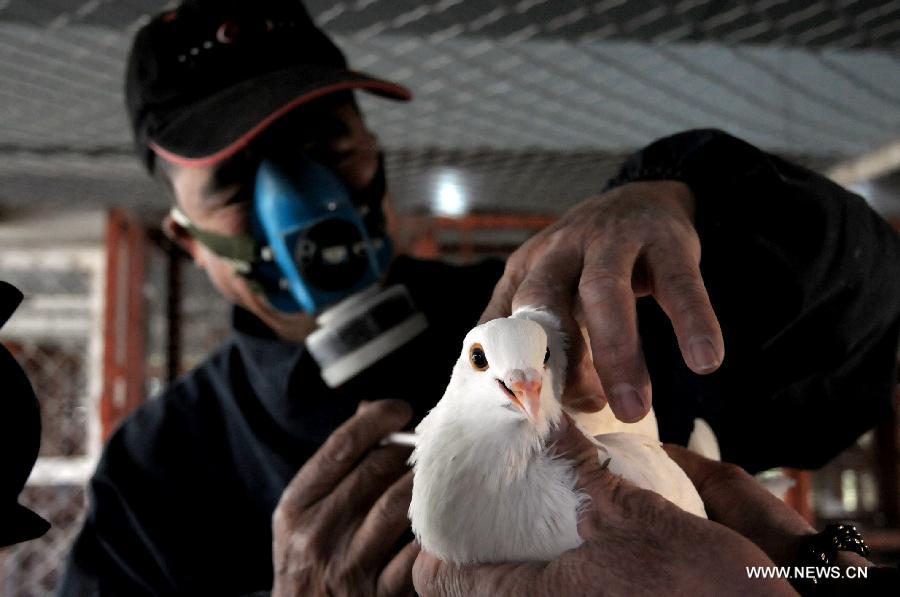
x,y
504,375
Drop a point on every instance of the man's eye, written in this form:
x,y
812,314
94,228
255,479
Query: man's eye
x,y
478,358
238,171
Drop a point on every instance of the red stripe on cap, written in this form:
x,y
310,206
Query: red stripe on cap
x,y
246,138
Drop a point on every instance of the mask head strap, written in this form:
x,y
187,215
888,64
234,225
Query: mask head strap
x,y
242,251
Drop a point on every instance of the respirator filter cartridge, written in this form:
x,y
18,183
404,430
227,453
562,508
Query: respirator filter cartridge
x,y
363,329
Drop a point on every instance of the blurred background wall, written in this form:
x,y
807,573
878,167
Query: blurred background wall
x,y
522,108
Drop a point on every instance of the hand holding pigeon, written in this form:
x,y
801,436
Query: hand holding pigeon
x,y
486,486
635,542
590,265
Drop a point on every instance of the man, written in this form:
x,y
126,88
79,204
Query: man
x,y
251,474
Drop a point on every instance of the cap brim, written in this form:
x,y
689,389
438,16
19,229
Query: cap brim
x,y
215,128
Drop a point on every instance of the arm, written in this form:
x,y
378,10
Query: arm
x,y
339,525
805,280
737,252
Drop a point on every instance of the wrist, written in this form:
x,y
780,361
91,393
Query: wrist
x,y
846,559
838,546
837,540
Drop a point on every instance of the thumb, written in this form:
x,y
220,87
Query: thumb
x,y
583,390
432,576
569,442
611,498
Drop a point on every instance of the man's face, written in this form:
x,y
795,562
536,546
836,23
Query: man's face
x,y
219,198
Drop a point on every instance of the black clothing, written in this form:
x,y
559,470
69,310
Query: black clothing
x,y
182,499
20,437
805,280
183,496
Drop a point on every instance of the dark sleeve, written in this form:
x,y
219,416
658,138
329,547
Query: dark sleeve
x,y
805,280
114,553
182,499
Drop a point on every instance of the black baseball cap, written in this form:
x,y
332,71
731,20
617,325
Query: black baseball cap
x,y
205,79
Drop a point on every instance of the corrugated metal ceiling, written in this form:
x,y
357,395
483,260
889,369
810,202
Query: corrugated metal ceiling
x,y
529,104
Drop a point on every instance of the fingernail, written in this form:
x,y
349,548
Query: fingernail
x,y
363,405
703,353
629,406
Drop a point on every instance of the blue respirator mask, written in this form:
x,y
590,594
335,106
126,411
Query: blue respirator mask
x,y
319,248
315,248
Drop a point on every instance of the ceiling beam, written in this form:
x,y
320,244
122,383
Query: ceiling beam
x,y
868,166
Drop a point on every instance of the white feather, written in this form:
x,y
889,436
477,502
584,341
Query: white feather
x,y
642,461
703,441
604,421
485,487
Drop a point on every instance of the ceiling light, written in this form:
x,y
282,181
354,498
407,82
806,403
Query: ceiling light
x,y
449,197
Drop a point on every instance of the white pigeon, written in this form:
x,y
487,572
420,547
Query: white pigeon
x,y
485,487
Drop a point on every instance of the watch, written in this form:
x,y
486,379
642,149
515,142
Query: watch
x,y
821,551
822,548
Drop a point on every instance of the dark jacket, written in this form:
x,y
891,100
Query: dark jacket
x,y
803,277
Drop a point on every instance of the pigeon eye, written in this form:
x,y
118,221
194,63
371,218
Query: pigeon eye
x,y
477,358
547,355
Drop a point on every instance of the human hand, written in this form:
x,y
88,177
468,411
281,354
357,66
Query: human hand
x,y
591,265
337,523
635,543
737,500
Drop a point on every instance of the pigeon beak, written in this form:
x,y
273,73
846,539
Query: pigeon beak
x,y
526,389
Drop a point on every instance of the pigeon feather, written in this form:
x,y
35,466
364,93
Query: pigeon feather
x,y
485,486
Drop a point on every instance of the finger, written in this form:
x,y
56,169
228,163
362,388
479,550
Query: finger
x,y
354,497
551,280
569,442
678,288
714,479
584,392
431,576
331,463
384,524
734,498
396,578
608,304
517,266
612,500
551,283
500,304
698,468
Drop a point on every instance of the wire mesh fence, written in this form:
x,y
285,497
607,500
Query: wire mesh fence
x,y
58,370
55,337
560,78
35,568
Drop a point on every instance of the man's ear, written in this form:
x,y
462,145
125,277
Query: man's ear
x,y
179,235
